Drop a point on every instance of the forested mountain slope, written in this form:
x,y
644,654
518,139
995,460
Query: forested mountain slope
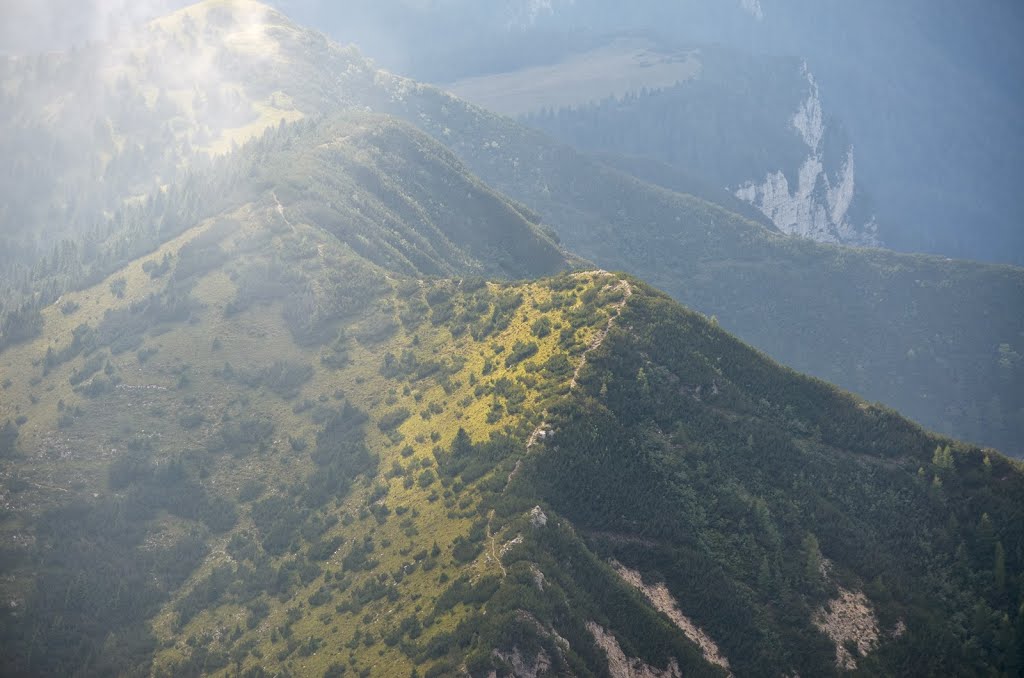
x,y
382,187
271,418
560,477
754,494
86,129
756,126
937,339
139,420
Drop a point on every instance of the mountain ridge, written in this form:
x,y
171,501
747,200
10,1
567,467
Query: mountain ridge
x,y
276,420
512,481
598,217
977,400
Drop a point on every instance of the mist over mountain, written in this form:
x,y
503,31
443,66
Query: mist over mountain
x,y
252,67
311,368
939,184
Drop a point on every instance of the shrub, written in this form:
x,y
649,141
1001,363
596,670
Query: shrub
x,y
118,286
520,352
390,421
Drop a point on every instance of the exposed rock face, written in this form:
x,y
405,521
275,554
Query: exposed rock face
x,y
819,205
621,666
507,546
849,618
665,603
540,665
538,576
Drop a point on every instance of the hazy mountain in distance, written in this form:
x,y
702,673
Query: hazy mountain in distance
x,y
934,338
755,127
938,184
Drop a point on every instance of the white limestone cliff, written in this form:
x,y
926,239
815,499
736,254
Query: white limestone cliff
x,y
818,206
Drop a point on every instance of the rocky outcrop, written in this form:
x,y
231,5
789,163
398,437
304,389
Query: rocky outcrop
x,y
819,205
621,666
849,619
523,667
664,602
541,663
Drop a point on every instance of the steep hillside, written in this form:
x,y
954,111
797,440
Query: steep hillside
x,y
239,361
284,412
392,194
195,480
937,339
799,527
277,423
677,180
570,476
84,130
860,318
755,126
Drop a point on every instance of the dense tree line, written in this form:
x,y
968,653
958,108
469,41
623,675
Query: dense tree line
x,y
741,477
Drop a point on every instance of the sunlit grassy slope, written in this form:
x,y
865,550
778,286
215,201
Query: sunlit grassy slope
x,y
231,394
256,451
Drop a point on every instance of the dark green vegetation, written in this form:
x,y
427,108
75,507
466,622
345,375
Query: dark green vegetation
x,y
651,123
936,339
695,460
927,335
276,421
761,500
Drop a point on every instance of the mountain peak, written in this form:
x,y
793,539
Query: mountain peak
x,y
236,9
243,25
